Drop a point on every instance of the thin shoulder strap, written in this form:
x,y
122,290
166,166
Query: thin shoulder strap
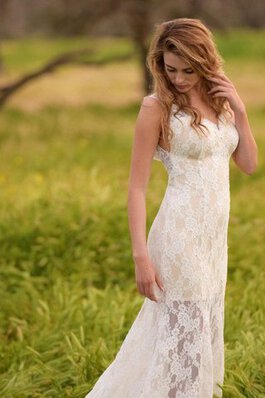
x,y
154,96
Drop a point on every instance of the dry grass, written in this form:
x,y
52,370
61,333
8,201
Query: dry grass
x,y
117,84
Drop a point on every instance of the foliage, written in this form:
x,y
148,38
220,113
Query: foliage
x,y
67,289
27,53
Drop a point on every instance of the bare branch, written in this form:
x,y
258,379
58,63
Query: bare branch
x,y
72,57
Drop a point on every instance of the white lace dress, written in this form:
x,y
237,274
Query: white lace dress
x,y
175,348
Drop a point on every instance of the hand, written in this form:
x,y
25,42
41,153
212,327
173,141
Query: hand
x,y
225,88
146,276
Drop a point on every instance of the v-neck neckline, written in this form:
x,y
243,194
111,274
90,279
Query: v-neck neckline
x,y
213,123
205,119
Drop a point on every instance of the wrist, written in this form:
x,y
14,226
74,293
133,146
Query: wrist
x,y
140,256
240,111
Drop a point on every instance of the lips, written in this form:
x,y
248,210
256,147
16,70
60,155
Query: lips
x,y
182,86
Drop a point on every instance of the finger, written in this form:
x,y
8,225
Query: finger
x,y
140,289
220,94
219,75
216,88
214,77
222,83
151,295
146,289
224,77
159,283
221,79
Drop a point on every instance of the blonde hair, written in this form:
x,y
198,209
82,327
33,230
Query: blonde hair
x,y
193,41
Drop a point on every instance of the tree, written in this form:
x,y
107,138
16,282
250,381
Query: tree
x,y
80,17
3,10
73,57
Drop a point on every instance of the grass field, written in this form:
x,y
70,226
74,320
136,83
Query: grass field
x,y
67,288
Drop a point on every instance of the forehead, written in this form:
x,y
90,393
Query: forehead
x,y
175,61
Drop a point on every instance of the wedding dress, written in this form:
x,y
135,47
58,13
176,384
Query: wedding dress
x,y
175,347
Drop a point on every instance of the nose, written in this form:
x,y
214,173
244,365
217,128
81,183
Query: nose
x,y
179,79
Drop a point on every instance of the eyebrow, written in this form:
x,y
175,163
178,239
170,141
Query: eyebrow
x,y
189,67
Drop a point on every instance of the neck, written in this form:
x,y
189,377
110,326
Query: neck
x,y
195,95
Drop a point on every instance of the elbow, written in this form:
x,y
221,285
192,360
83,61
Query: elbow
x,y
251,170
252,165
247,163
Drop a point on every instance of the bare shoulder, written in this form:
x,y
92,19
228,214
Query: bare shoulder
x,y
151,109
150,101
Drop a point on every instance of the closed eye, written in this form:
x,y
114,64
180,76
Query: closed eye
x,y
189,71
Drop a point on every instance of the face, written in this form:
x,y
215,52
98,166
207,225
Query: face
x,y
181,74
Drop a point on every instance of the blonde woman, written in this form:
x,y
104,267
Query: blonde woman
x,y
193,123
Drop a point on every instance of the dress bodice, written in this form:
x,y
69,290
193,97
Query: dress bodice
x,y
192,154
222,140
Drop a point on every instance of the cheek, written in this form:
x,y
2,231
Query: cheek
x,y
171,76
193,78
196,79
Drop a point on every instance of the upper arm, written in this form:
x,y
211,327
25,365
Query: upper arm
x,y
146,137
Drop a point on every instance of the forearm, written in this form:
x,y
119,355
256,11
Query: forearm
x,y
246,152
137,222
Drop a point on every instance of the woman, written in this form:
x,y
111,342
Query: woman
x,y
193,122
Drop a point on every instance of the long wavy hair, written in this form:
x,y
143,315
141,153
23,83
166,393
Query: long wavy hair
x,y
194,42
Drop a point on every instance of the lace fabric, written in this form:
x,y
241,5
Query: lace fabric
x,y
175,347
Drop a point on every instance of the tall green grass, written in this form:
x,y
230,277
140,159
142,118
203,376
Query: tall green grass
x,y
67,288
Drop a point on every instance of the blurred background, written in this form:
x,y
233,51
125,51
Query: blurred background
x,y
72,78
